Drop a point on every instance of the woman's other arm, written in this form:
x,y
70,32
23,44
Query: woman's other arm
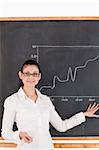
x,y
8,121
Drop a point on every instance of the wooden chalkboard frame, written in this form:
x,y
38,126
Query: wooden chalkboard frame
x,y
49,18
56,18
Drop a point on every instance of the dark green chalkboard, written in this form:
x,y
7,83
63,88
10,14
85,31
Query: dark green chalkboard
x,y
68,53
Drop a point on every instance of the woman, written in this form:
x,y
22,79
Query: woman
x,y
32,111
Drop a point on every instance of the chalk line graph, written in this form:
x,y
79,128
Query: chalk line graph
x,y
70,75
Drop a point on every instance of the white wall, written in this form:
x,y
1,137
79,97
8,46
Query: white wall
x,y
30,8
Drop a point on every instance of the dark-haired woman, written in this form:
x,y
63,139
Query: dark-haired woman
x,y
33,111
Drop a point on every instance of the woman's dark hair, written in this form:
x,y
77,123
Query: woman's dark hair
x,y
29,62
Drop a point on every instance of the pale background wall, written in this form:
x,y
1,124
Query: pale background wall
x,y
30,8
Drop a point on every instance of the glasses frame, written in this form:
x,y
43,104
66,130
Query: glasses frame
x,y
28,74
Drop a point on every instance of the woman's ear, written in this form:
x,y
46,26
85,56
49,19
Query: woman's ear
x,y
20,75
40,76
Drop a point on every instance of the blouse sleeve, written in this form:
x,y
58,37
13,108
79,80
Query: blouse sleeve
x,y
8,121
64,125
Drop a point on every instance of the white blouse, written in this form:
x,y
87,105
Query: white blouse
x,y
34,119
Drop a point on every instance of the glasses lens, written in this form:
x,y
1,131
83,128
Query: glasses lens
x,y
27,74
35,74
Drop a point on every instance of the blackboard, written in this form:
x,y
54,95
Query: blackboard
x,y
68,53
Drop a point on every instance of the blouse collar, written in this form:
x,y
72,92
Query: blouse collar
x,y
23,95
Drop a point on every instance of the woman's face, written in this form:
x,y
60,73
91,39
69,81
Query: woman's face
x,y
30,75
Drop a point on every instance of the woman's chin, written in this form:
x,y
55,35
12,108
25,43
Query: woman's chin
x,y
31,85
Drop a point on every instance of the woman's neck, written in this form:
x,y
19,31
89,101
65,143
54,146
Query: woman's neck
x,y
31,93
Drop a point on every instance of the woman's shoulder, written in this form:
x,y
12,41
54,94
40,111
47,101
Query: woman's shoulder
x,y
44,97
47,99
11,99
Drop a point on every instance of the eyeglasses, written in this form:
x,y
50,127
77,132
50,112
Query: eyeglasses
x,y
28,74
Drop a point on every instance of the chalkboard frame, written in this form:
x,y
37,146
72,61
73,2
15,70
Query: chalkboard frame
x,y
51,18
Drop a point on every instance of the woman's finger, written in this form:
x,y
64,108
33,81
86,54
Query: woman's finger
x,y
89,107
92,106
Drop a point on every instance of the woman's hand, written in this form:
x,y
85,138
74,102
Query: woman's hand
x,y
92,109
24,136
